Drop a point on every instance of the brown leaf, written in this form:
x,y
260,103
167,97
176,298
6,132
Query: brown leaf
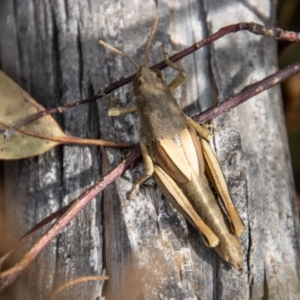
x,y
35,137
16,105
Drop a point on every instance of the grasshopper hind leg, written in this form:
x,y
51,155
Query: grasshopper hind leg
x,y
149,170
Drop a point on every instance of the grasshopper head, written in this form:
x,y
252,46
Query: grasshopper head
x,y
232,253
147,81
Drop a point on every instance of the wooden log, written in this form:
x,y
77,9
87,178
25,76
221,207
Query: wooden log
x,y
51,49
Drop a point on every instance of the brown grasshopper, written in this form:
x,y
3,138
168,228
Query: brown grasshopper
x,y
184,165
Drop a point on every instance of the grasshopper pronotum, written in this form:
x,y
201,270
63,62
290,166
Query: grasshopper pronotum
x,y
181,162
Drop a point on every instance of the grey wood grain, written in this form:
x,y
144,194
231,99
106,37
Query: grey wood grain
x,y
51,49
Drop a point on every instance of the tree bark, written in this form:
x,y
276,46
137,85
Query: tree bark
x,y
51,50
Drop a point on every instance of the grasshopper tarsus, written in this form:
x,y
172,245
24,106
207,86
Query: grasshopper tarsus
x,y
170,63
132,194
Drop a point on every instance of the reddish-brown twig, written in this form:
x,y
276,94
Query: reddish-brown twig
x,y
75,282
255,28
248,92
8,276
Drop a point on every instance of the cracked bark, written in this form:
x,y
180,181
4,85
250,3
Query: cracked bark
x,y
146,247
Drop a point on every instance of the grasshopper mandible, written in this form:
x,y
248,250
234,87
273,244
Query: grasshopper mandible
x,y
183,164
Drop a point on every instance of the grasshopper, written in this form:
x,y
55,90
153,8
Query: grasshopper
x,y
183,164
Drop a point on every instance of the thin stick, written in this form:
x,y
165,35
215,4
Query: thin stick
x,y
258,29
32,231
75,282
8,276
248,92
254,28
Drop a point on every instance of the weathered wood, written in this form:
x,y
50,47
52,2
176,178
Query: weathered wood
x,y
145,246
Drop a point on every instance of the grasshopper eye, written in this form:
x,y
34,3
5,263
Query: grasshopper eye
x,y
158,73
137,82
140,81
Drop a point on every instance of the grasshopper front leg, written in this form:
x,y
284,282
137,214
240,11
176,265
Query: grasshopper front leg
x,y
177,81
120,111
114,111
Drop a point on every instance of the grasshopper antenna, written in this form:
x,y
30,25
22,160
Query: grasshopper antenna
x,y
122,53
119,52
150,38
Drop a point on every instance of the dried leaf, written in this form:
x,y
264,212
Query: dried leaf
x,y
16,105
35,137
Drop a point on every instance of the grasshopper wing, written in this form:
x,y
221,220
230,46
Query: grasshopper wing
x,y
176,197
216,178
